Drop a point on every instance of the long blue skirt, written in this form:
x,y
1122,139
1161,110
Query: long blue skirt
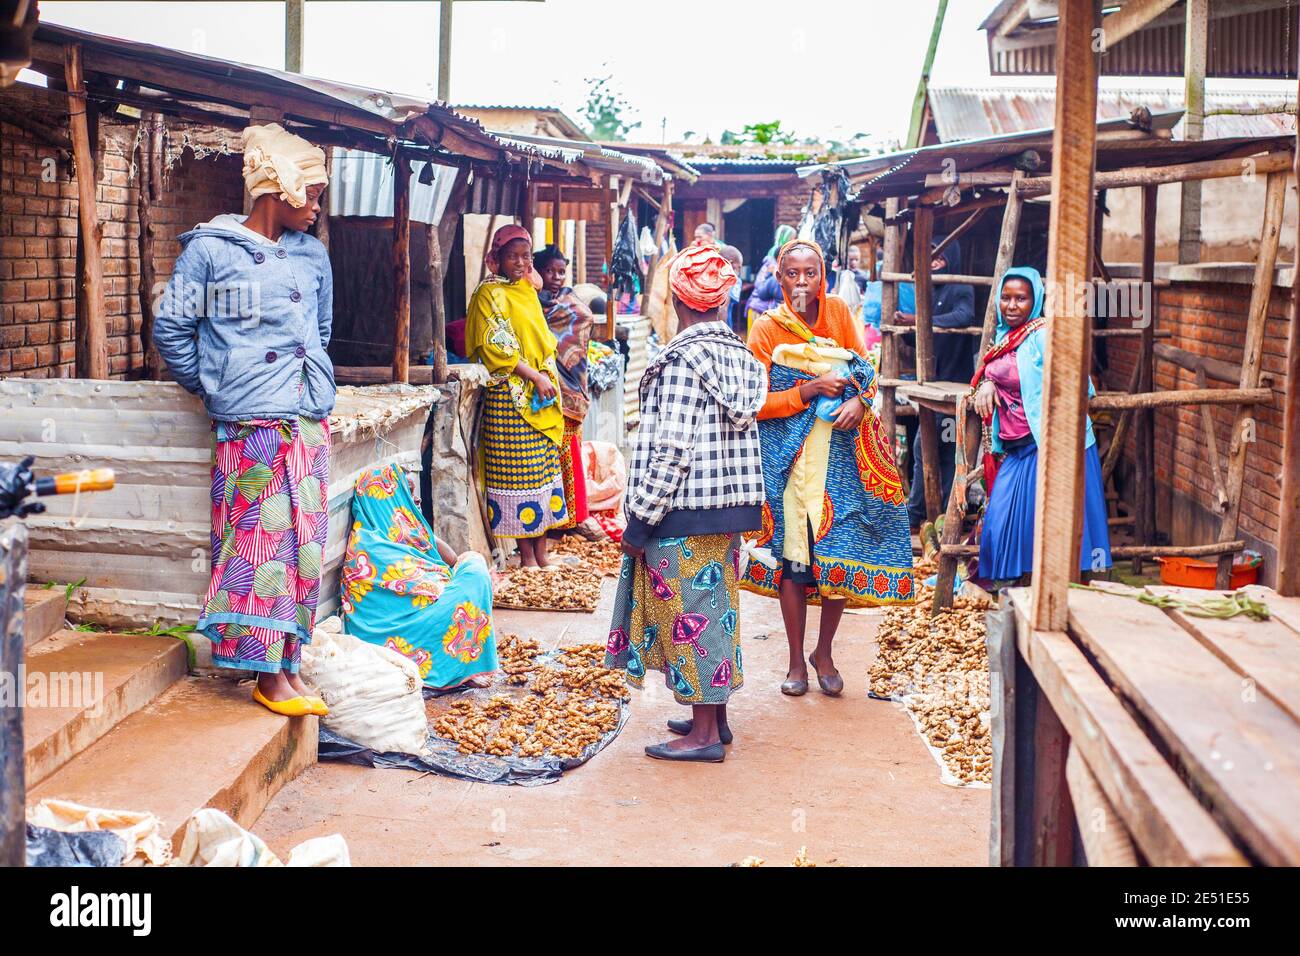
x,y
1007,541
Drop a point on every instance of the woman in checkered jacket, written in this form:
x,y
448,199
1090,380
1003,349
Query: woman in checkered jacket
x,y
695,484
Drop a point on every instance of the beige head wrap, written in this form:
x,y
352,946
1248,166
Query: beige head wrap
x,y
282,164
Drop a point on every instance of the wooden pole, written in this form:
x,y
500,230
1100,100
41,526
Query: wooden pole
x,y
662,222
556,235
401,268
1195,56
611,227
1006,258
323,220
922,233
888,306
967,450
580,252
1145,433
92,333
1033,186
1288,529
438,304
293,20
144,245
1069,346
1181,397
444,50
1251,360
915,130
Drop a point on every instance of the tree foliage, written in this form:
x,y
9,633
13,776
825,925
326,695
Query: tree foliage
x,y
605,110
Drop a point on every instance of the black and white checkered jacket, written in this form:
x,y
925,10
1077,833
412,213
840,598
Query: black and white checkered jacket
x,y
697,467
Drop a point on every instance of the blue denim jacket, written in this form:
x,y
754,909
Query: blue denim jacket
x,y
244,324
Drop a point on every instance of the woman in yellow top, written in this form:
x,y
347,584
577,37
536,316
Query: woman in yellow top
x,y
522,423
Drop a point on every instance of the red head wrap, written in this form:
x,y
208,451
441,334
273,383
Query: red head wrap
x,y
701,278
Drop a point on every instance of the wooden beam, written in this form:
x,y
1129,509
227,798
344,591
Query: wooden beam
x,y
293,32
1105,839
1288,529
611,229
1251,362
1216,369
888,306
967,450
1196,50
556,223
1130,18
1176,550
438,303
401,267
1180,397
323,220
444,50
922,234
1006,258
941,278
1144,490
1033,186
149,129
92,333
1069,346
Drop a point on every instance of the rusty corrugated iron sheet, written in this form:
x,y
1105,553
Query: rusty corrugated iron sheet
x,y
964,113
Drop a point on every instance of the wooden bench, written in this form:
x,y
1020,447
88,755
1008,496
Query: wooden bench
x,y
1153,736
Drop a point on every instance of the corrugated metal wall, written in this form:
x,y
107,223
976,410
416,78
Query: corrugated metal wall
x,y
143,548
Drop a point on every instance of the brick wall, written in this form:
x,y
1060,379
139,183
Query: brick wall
x,y
1210,319
38,236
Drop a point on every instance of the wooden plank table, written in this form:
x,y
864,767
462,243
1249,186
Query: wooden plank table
x,y
1190,726
939,396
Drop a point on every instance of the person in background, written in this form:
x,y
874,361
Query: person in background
x,y
571,323
766,294
1009,396
735,314
268,386
706,232
954,361
834,526
523,425
696,483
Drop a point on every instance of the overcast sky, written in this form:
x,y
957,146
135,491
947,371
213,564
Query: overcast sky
x,y
825,68
819,66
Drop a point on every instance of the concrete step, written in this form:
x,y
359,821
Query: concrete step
x,y
89,682
43,612
203,743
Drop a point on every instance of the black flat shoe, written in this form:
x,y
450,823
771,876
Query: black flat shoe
x,y
831,686
713,753
684,727
794,688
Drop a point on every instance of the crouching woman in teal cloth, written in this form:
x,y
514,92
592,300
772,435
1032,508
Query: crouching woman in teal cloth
x,y
405,589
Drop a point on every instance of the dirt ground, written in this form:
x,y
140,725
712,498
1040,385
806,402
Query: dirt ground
x,y
848,778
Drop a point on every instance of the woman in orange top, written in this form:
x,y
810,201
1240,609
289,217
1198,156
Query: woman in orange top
x,y
834,520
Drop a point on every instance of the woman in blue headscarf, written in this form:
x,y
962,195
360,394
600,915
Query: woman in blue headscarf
x,y
1009,394
405,589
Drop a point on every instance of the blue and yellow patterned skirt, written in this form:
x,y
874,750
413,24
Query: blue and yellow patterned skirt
x,y
521,472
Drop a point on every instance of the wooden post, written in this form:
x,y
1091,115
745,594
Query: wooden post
x,y
1145,432
1195,55
967,438
580,252
556,224
1006,257
144,244
401,268
611,227
1288,529
293,19
438,304
1069,345
92,333
922,233
444,50
661,231
1243,428
888,306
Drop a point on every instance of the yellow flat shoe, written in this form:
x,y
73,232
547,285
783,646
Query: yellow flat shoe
x,y
318,705
293,707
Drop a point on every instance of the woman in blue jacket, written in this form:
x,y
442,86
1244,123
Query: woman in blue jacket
x,y
243,325
1009,393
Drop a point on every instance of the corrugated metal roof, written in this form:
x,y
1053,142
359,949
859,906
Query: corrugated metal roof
x,y
1258,40
963,113
595,155
361,184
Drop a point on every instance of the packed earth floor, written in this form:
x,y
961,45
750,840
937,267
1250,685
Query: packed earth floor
x,y
847,778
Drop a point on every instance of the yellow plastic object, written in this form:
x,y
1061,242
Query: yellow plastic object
x,y
96,479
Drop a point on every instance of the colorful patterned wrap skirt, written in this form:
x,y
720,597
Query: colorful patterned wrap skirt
x,y
270,490
860,545
575,476
678,611
521,472
397,592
